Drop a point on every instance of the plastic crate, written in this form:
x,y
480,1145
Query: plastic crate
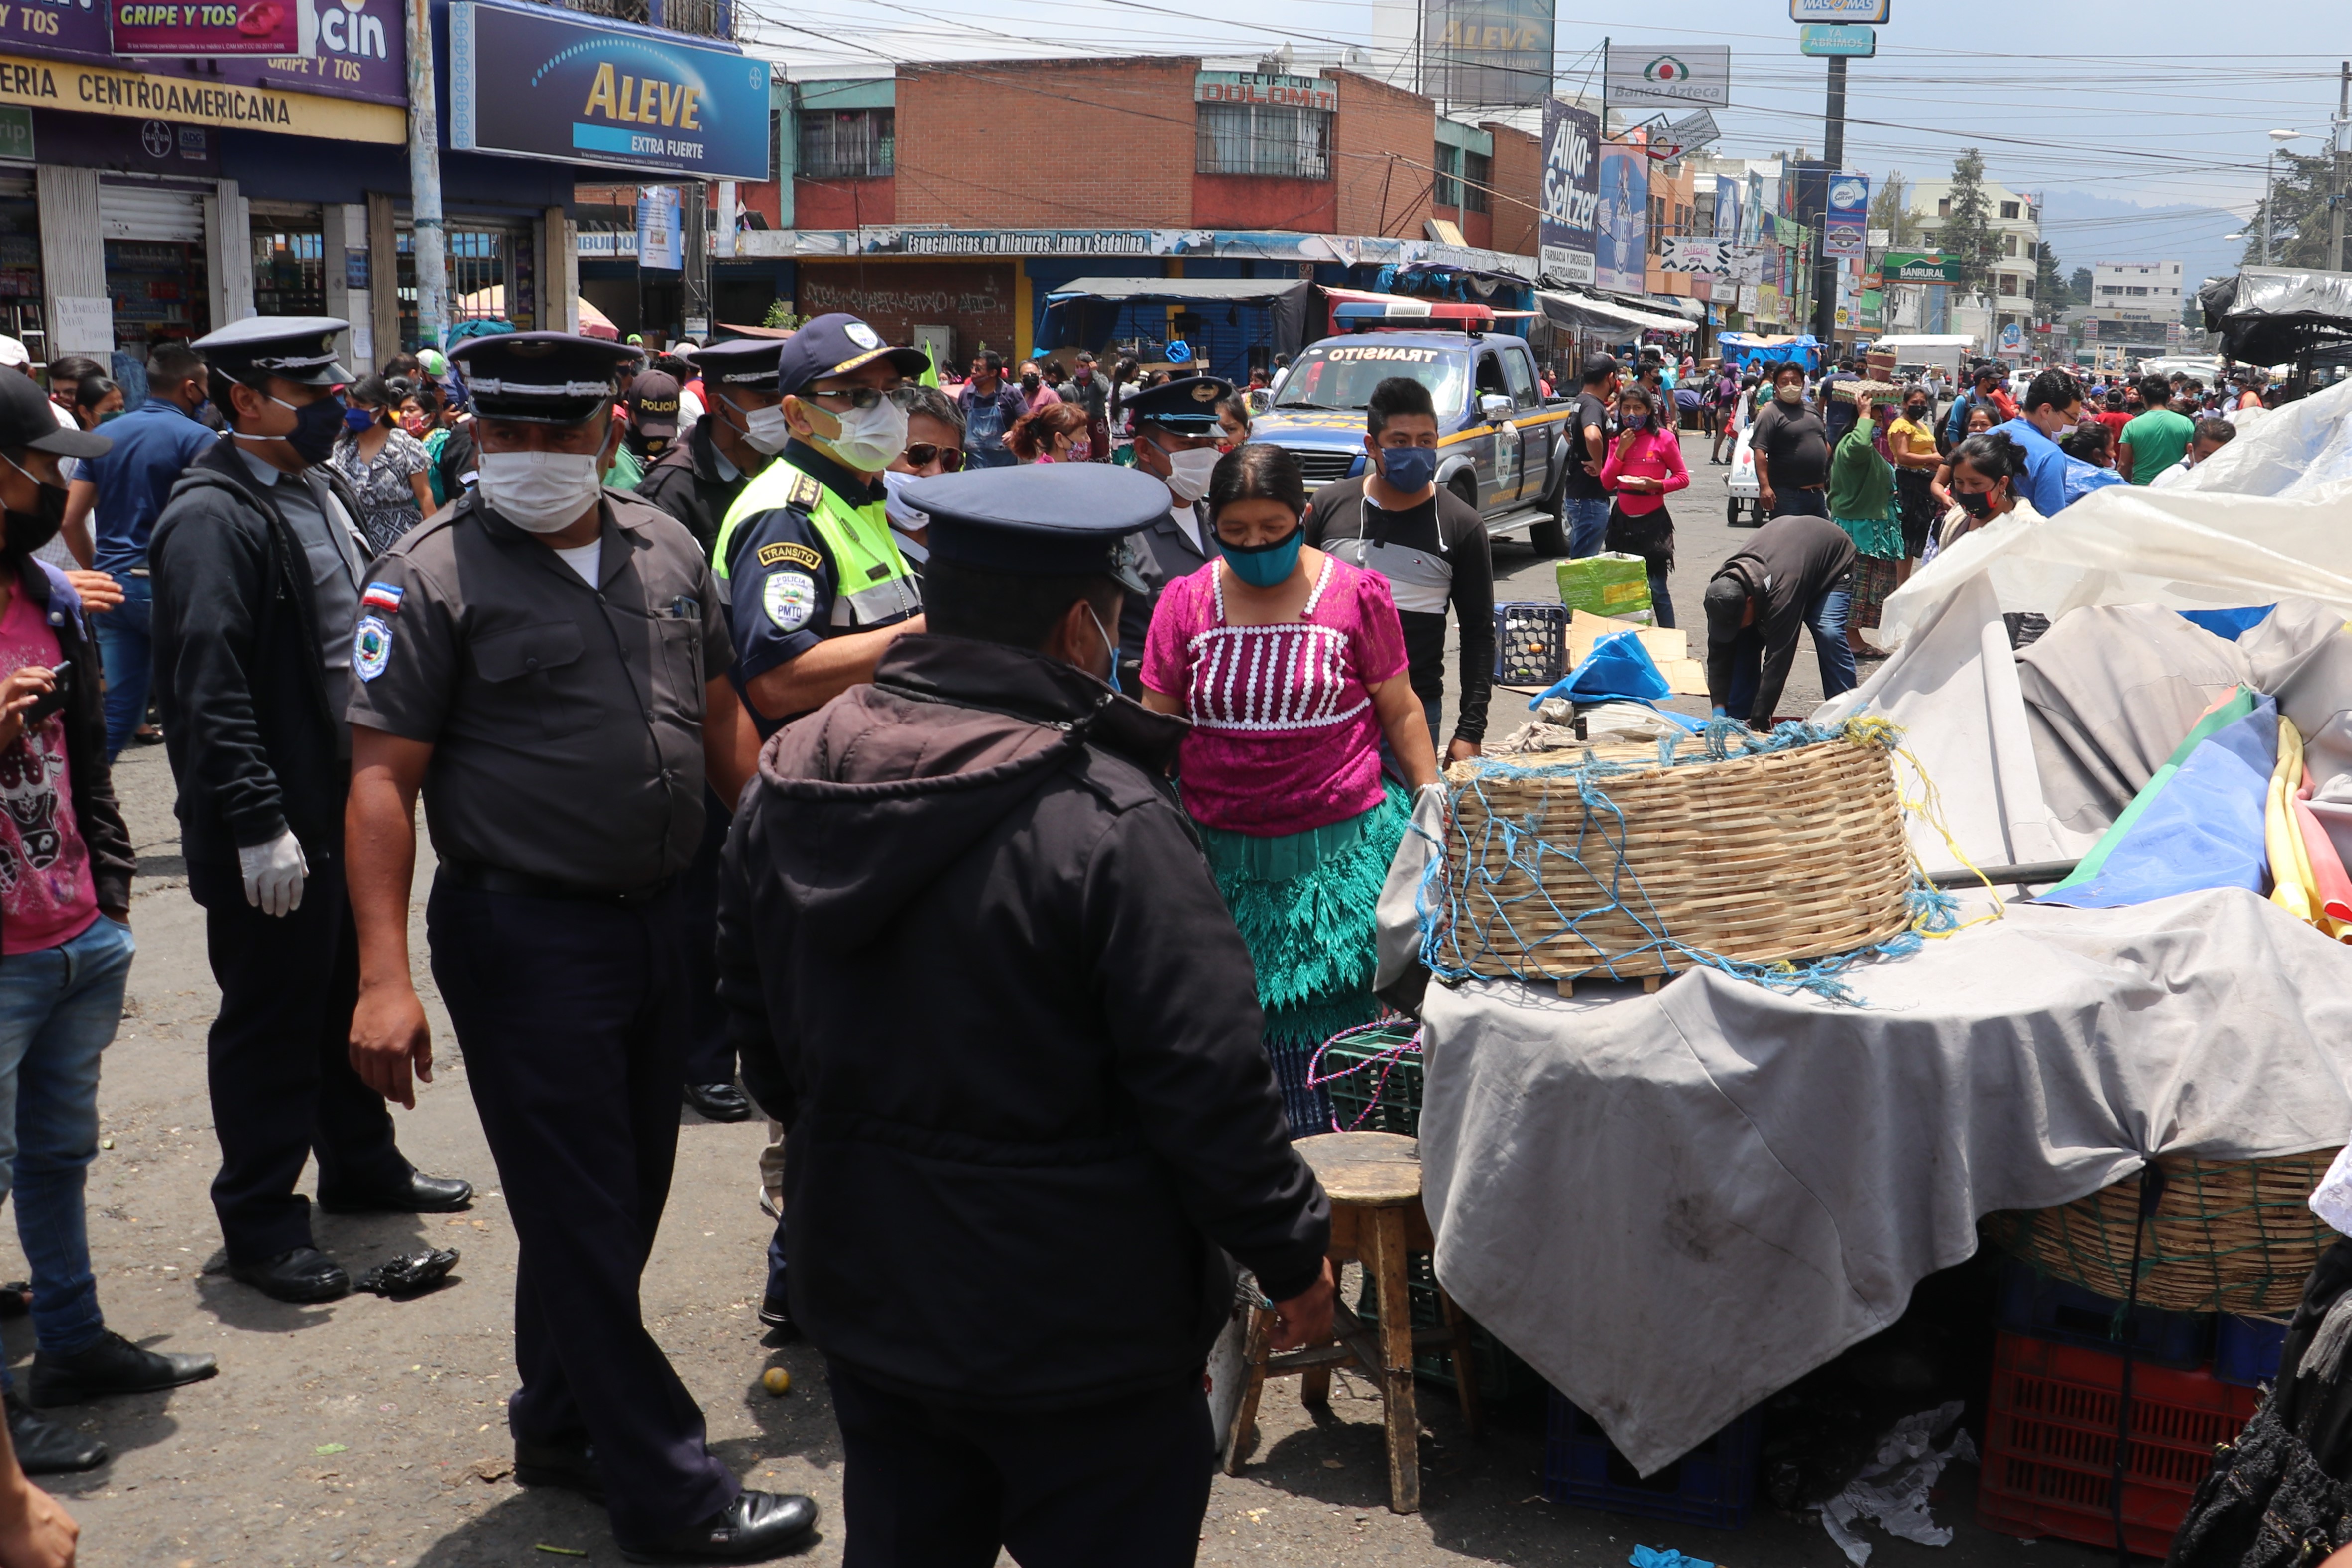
x,y
2033,1303
1710,1486
1374,1086
2050,1443
1504,1380
2246,1350
1530,643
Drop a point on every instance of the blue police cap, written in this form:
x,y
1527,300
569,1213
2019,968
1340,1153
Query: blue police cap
x,y
541,378
299,348
836,344
1188,408
749,362
1041,520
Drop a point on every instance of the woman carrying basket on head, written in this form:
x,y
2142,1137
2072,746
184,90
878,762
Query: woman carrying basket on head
x,y
1291,666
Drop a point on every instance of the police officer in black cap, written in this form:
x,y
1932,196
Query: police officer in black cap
x,y
257,570
820,589
697,481
1176,436
547,661
979,968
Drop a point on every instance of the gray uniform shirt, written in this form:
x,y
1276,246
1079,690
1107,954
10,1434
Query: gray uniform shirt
x,y
338,557
566,719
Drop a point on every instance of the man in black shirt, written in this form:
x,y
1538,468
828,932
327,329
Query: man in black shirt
x,y
1585,499
1428,542
1791,449
1795,575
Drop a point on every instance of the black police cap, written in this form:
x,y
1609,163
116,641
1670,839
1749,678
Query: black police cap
x,y
836,344
1188,408
299,348
541,378
739,361
1041,520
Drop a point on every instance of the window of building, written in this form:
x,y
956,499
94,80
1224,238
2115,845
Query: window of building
x,y
290,275
635,11
1463,178
1263,139
2009,209
2009,245
848,143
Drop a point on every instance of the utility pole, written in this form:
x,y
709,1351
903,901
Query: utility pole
x,y
695,232
1825,266
429,241
2336,168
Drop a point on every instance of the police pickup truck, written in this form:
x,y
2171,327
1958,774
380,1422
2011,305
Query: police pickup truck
x,y
1502,446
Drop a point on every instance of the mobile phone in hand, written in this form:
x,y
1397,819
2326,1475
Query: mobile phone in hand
x,y
54,700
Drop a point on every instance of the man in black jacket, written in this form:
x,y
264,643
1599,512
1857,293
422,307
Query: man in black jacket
x,y
259,574
977,965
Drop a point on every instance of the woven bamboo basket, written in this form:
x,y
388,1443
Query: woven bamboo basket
x,y
1795,854
2228,1235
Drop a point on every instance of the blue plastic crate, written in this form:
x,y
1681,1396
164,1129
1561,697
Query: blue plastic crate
x,y
2033,1303
2246,1350
1711,1486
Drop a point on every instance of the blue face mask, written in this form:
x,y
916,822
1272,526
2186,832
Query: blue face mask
x,y
1108,646
356,419
1263,565
1409,468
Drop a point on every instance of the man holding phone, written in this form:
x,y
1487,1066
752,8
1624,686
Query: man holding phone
x,y
65,943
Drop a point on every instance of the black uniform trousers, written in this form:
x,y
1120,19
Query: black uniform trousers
x,y
709,1058
279,1060
932,1486
569,1012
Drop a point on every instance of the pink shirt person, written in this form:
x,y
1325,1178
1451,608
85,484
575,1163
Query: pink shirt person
x,y
1652,453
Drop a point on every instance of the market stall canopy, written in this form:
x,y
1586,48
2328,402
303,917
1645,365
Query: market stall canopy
x,y
1284,298
2271,314
1603,315
1927,340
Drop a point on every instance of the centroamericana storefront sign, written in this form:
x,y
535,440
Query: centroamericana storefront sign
x,y
97,89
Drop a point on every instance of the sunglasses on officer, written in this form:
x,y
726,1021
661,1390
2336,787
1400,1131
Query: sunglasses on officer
x,y
863,398
923,454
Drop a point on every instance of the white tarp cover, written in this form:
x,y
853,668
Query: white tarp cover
x,y
2265,518
1675,1206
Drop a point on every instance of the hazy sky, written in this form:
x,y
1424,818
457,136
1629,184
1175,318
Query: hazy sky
x,y
2051,104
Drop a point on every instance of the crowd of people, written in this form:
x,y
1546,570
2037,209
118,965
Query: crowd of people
x,y
633,625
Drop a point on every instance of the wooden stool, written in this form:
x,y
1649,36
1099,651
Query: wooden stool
x,y
1374,1183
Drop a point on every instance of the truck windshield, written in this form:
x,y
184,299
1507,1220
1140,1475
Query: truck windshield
x,y
1342,375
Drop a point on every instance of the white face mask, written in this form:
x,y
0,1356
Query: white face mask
x,y
540,492
904,518
1189,471
765,429
870,437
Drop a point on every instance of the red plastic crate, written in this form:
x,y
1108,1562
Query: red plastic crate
x,y
2050,1443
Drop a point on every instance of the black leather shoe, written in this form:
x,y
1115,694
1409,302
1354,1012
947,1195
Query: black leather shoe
x,y
305,1274
776,1315
420,1195
753,1528
112,1365
47,1449
719,1101
572,1465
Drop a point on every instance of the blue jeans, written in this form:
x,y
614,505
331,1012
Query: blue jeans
x,y
58,1009
1825,617
124,649
1587,524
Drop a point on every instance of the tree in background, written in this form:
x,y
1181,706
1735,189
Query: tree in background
x,y
2299,216
2078,287
1968,233
1890,210
2049,289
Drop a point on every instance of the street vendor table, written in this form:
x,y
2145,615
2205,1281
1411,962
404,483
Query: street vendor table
x,y
1675,1206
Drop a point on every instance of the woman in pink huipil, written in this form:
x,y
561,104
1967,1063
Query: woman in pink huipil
x,y
1644,468
1291,666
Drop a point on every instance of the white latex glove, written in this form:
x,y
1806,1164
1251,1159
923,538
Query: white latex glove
x,y
274,873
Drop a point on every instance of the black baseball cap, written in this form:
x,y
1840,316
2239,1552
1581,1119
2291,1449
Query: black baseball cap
x,y
836,344
29,419
1600,365
1185,408
653,404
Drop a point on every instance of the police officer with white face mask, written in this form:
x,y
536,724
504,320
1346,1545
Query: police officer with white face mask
x,y
546,659
1176,435
698,480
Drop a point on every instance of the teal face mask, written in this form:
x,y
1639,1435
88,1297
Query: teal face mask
x,y
1263,565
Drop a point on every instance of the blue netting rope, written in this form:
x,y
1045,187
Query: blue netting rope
x,y
1503,846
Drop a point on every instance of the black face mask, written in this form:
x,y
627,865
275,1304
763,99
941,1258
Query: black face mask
x,y
1916,413
28,530
1978,504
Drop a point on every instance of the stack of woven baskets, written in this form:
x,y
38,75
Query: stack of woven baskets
x,y
1608,862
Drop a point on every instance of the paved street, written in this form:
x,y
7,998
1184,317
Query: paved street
x,y
373,1432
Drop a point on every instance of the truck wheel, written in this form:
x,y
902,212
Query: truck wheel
x,y
1550,537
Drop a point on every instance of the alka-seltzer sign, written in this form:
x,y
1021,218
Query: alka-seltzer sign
x,y
1571,193
540,85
